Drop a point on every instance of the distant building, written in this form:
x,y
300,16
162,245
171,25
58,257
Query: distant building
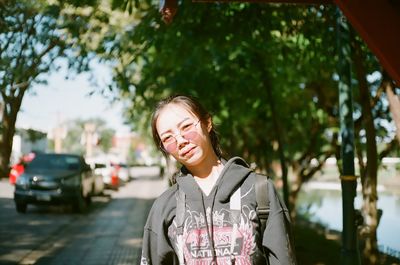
x,y
122,145
26,141
131,148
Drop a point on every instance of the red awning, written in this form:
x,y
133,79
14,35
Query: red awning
x,y
378,23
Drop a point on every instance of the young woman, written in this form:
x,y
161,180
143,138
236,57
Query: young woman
x,y
210,215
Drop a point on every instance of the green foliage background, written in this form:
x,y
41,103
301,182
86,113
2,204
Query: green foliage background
x,y
238,59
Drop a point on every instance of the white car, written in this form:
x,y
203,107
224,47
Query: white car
x,y
109,174
123,172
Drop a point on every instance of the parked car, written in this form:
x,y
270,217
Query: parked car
x,y
109,175
123,172
98,185
55,179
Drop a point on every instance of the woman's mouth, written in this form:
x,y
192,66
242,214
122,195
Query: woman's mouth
x,y
188,152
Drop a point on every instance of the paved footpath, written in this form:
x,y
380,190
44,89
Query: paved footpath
x,y
110,233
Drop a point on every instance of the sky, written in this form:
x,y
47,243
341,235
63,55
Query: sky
x,y
61,100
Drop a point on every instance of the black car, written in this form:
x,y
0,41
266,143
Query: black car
x,y
55,179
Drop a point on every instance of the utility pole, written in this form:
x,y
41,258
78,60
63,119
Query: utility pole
x,y
90,137
59,134
350,253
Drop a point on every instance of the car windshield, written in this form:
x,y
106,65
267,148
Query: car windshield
x,y
54,162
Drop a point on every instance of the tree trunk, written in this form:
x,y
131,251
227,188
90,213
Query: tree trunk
x,y
10,111
6,142
281,149
369,185
394,105
296,186
277,128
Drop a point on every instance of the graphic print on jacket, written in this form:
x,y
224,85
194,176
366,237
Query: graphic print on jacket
x,y
197,246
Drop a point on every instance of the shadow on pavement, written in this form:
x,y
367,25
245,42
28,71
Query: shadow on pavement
x,y
109,233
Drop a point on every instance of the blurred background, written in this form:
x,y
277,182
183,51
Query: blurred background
x,y
82,77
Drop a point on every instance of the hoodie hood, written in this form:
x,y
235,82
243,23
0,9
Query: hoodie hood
x,y
234,173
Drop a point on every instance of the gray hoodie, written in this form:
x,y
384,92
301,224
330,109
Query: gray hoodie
x,y
211,235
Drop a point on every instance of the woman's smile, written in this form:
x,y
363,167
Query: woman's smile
x,y
188,152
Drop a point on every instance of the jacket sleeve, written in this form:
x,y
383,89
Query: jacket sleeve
x,y
156,248
149,249
277,237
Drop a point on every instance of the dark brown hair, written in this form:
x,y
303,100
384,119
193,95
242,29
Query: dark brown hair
x,y
192,105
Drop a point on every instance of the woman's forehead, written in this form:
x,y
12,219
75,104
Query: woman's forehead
x,y
177,110
172,114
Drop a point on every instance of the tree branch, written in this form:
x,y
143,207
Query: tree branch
x,y
388,148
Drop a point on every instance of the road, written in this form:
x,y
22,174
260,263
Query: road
x,y
109,233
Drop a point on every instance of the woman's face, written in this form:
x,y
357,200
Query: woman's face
x,y
183,135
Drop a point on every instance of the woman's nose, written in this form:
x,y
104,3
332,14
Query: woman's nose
x,y
180,140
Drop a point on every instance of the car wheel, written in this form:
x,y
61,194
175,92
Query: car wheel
x,y
81,204
88,200
21,207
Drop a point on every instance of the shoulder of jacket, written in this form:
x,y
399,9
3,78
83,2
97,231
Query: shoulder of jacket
x,y
166,199
256,175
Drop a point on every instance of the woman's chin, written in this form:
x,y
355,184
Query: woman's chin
x,y
193,158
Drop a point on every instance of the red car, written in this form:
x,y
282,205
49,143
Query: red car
x,y
18,169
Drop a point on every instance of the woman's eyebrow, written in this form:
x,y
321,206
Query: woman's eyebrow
x,y
178,125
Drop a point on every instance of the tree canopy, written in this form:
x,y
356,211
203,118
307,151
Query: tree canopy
x,y
240,60
33,36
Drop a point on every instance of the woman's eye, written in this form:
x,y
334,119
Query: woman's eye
x,y
166,139
187,127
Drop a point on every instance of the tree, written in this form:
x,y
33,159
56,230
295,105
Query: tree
x,y
74,141
394,101
371,128
33,36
